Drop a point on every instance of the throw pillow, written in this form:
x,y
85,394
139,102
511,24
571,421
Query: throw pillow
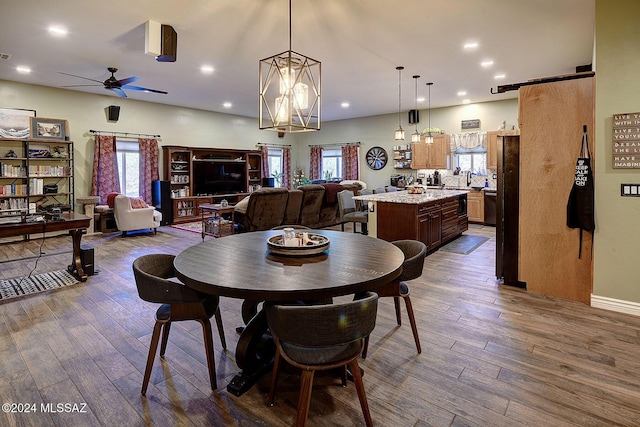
x,y
110,198
138,203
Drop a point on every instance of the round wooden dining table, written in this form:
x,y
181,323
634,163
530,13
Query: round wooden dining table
x,y
241,266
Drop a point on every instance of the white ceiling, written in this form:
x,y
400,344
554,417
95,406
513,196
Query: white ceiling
x,y
359,42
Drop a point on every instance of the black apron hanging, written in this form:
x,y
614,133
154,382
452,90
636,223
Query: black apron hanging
x,y
580,208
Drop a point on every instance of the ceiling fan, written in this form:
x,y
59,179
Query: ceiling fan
x,y
116,85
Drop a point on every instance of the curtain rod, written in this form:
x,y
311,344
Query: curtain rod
x,y
268,144
336,144
124,134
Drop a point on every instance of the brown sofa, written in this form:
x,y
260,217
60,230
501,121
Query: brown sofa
x,y
313,205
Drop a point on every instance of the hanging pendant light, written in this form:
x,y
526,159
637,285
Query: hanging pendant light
x,y
399,135
429,135
290,91
415,137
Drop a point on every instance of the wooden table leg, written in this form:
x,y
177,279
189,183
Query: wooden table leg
x,y
76,262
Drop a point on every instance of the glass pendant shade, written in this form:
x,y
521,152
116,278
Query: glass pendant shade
x,y
415,137
290,91
399,135
428,139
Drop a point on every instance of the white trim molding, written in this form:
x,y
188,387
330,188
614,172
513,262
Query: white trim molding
x,y
617,305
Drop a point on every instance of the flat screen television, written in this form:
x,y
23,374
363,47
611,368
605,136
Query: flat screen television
x,y
215,177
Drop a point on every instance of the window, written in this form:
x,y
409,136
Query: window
x,y
474,160
128,159
275,165
331,163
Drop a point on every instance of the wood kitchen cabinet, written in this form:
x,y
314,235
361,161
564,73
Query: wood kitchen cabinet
x,y
431,156
475,206
494,138
430,224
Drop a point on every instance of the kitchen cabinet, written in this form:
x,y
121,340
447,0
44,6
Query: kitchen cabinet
x,y
430,224
494,138
475,206
449,218
431,156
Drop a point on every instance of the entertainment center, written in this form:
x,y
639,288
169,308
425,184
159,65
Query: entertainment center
x,y
198,176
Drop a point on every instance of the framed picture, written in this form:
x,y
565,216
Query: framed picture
x,y
42,128
471,124
15,122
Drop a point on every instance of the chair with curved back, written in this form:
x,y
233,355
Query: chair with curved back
x,y
414,255
179,303
349,213
322,337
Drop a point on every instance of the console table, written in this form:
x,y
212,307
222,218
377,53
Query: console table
x,y
77,225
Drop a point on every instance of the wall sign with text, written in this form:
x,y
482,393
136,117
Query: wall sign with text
x,y
626,141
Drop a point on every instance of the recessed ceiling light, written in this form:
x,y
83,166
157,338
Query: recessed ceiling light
x,y
23,69
227,105
466,101
499,76
471,45
345,105
421,99
58,31
462,93
206,69
487,63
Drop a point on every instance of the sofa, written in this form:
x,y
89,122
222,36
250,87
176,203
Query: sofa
x,y
312,205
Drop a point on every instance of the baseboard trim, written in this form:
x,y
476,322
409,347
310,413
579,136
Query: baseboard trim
x,y
616,305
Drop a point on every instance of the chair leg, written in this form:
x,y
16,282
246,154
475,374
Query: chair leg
x,y
363,228
304,401
354,227
165,338
208,344
342,226
396,302
357,380
155,337
412,320
220,328
274,378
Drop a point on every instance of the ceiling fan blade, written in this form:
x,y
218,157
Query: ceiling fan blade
x,y
80,77
119,91
126,81
144,89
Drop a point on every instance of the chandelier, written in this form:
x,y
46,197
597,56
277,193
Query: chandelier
x,y
290,91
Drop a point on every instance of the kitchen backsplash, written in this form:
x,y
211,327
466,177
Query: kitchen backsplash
x,y
451,180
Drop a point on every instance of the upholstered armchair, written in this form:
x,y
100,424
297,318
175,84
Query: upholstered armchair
x,y
134,214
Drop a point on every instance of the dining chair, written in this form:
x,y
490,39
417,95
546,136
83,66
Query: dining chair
x,y
321,337
152,273
349,213
379,190
414,254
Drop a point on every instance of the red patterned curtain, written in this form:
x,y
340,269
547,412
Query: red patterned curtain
x,y
148,166
350,162
315,163
286,167
264,150
105,168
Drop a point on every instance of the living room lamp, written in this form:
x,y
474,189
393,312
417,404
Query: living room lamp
x,y
399,135
290,91
429,136
415,137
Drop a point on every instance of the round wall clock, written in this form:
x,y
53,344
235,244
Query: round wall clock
x,y
376,158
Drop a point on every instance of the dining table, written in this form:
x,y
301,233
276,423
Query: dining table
x,y
244,266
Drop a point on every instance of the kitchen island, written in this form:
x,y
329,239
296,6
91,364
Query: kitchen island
x,y
434,217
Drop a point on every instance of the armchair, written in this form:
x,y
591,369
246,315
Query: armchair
x,y
128,219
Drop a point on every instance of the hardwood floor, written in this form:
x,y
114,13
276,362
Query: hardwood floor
x,y
492,355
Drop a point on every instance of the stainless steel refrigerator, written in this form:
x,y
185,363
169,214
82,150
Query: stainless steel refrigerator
x,y
508,211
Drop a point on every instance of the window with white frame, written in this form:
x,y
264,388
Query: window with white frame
x,y
275,165
331,163
128,159
474,160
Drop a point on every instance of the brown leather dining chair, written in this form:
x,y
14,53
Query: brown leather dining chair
x,y
414,254
179,303
322,337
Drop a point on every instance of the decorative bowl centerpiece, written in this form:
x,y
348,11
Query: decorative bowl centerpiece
x,y
301,244
415,190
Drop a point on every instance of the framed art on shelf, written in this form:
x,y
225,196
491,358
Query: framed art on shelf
x,y
15,122
42,128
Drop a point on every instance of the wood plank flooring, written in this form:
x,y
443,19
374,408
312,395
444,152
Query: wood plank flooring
x,y
492,355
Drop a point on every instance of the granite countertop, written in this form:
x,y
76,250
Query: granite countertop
x,y
406,198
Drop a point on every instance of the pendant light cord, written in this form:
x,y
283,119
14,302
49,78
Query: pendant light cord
x,y
416,77
400,68
290,36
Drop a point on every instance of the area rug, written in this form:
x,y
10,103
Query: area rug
x,y
464,244
20,286
195,227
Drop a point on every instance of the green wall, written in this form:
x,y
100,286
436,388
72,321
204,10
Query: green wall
x,y
616,273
